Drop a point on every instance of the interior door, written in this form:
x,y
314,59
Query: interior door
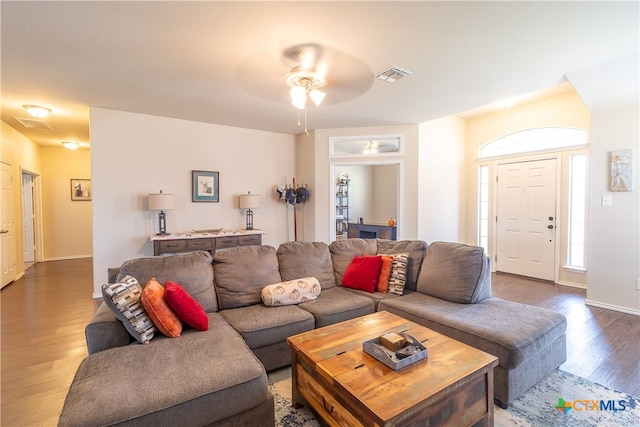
x,y
7,227
526,220
28,219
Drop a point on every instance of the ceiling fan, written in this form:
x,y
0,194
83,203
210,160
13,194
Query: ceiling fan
x,y
310,71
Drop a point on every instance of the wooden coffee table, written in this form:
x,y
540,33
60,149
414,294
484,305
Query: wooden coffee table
x,y
347,387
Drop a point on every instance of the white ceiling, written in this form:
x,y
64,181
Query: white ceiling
x,y
224,62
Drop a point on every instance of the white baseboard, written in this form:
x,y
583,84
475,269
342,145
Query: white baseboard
x,y
572,285
62,258
612,307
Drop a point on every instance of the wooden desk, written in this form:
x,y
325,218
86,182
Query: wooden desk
x,y
188,242
347,387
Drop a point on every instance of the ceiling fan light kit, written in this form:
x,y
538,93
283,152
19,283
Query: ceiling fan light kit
x,y
305,81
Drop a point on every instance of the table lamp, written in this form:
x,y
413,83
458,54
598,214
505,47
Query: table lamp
x,y
249,201
161,202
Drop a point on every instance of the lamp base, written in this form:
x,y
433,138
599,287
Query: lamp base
x,y
249,219
162,221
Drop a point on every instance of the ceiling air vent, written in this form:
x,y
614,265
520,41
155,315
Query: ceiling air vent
x,y
392,74
34,123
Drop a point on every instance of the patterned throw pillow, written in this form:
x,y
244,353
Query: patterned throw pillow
x,y
123,298
291,292
398,276
159,311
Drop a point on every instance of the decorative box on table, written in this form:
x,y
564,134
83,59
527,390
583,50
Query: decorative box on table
x,y
409,353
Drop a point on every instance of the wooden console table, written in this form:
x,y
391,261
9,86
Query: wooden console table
x,y
204,241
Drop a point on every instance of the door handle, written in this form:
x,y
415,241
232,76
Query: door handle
x,y
550,227
550,218
4,231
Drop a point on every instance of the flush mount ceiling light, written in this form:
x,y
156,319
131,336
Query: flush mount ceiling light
x,y
305,81
71,145
37,111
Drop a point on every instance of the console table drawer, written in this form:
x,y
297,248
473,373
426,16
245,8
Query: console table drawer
x,y
199,245
171,246
226,242
252,239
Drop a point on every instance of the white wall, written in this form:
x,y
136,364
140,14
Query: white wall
x,y
133,155
614,232
442,187
317,146
611,93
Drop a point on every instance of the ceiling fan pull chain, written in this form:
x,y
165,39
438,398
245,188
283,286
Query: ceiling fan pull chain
x,y
298,117
306,132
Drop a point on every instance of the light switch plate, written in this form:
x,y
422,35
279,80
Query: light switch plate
x,y
607,200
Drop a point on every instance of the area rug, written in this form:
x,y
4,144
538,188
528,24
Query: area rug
x,y
560,399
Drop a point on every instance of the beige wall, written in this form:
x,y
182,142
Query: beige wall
x,y
22,154
67,224
64,228
133,155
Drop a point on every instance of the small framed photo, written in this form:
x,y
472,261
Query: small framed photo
x,y
81,190
205,186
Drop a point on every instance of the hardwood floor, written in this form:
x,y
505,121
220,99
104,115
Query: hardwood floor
x,y
45,312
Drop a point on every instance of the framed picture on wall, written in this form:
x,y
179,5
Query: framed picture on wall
x,y
621,170
80,190
205,186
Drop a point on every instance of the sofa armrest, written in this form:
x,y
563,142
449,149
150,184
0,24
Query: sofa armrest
x,y
104,331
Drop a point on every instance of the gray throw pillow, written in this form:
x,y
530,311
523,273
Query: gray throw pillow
x,y
455,272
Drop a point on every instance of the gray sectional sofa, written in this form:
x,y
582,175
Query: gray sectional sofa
x,y
218,377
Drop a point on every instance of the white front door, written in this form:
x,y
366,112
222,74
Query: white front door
x,y
7,227
526,220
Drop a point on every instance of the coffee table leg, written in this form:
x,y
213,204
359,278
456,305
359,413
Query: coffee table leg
x,y
297,400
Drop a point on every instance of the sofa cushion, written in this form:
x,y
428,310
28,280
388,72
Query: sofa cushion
x,y
362,273
185,307
343,251
241,273
261,326
123,298
455,272
291,292
511,331
159,311
306,259
192,270
338,304
211,384
416,250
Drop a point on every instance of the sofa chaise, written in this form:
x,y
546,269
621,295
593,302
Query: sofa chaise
x,y
218,377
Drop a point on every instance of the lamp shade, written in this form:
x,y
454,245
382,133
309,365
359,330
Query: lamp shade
x,y
248,201
160,202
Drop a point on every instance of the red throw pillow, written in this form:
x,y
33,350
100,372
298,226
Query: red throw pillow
x,y
159,311
185,306
362,273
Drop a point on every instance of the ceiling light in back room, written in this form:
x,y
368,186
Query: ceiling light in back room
x,y
71,145
37,111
